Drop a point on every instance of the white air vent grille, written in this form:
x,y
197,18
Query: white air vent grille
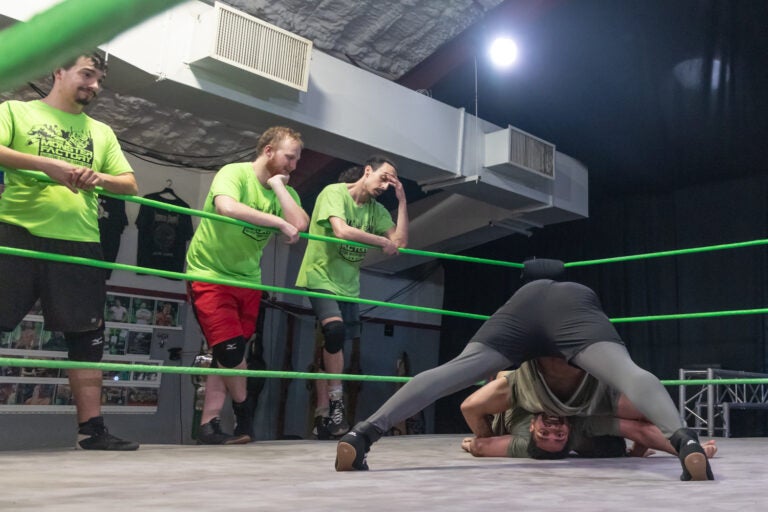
x,y
512,150
266,50
532,153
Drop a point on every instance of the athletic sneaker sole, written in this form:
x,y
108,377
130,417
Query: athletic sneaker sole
x,y
345,457
239,439
696,465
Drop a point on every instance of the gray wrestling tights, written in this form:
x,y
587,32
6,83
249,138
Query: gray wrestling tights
x,y
610,363
476,362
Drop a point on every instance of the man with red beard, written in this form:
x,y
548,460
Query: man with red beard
x,y
255,192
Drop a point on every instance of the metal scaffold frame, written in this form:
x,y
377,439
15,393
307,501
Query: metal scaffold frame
x,y
707,407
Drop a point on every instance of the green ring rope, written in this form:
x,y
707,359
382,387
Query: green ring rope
x,y
191,370
676,252
67,29
39,176
469,259
25,253
229,372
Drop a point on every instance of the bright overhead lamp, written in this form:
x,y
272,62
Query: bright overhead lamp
x,y
503,52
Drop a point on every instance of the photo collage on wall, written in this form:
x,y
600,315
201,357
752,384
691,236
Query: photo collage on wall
x,y
130,324
49,386
149,311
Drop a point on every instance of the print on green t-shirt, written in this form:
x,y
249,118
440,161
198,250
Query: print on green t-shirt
x,y
336,266
220,249
50,210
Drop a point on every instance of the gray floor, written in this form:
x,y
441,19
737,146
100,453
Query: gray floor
x,y
407,473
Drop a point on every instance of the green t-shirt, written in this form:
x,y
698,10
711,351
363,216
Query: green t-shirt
x,y
225,250
592,400
332,266
51,210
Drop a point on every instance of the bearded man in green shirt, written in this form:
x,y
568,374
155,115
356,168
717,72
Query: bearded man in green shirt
x,y
55,136
258,193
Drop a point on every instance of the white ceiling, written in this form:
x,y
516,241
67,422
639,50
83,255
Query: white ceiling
x,y
385,37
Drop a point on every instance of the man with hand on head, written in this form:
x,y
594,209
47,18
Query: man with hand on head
x,y
351,212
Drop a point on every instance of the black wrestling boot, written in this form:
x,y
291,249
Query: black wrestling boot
x,y
692,456
93,435
353,446
244,412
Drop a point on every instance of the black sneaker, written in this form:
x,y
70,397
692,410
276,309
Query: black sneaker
x,y
244,412
692,456
353,447
351,451
93,435
320,430
210,433
338,425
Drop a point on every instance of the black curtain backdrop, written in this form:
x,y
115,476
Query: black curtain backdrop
x,y
708,214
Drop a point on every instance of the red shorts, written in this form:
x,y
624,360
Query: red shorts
x,y
224,312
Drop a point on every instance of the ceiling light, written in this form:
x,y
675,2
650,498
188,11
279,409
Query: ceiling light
x,y
503,52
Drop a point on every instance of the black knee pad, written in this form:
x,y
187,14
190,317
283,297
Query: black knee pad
x,y
85,346
333,332
230,353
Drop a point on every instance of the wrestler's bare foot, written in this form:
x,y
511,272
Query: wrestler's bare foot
x,y
466,443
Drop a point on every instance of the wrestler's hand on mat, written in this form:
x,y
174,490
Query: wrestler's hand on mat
x,y
640,450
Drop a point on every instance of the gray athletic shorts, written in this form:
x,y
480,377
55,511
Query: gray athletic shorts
x,y
348,311
72,296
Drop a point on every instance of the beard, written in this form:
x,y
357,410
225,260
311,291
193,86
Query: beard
x,y
85,98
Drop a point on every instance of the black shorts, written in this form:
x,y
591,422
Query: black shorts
x,y
547,318
72,296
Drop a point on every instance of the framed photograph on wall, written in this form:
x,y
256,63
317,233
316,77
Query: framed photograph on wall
x,y
139,343
63,395
116,308
35,394
26,335
117,340
145,397
53,341
167,313
142,310
8,393
112,395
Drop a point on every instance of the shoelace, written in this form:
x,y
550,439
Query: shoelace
x,y
338,414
